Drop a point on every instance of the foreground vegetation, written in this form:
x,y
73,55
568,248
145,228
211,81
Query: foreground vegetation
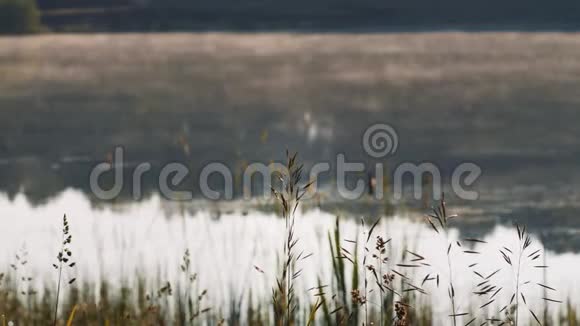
x,y
350,299
370,284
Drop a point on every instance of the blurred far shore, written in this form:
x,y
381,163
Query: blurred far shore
x,y
26,16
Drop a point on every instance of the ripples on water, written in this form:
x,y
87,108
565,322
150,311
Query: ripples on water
x,y
119,244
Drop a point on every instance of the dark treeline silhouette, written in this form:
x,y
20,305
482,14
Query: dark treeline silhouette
x,y
309,15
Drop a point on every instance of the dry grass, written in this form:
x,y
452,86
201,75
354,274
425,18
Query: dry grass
x,y
396,306
283,294
389,295
64,262
525,256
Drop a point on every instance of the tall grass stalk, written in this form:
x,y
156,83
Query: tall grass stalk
x,y
289,197
64,260
439,214
127,307
526,258
383,279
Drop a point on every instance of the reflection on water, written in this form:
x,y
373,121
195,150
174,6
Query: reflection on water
x,y
122,243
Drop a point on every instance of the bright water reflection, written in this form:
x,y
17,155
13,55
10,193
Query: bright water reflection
x,y
142,240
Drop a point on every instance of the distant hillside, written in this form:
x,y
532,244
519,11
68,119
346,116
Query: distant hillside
x,y
313,14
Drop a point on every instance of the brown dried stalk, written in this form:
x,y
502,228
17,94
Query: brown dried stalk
x,y
64,256
289,198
